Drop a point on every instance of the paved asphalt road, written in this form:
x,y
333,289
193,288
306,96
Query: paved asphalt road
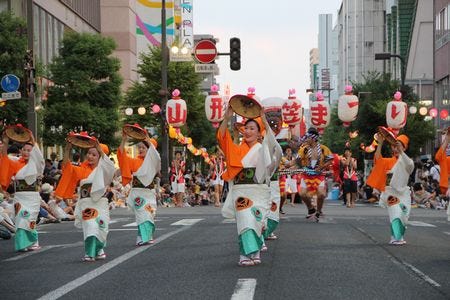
x,y
345,256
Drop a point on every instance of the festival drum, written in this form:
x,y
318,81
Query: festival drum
x,y
82,140
18,133
245,106
135,131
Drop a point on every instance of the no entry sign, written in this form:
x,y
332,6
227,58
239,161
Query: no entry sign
x,y
205,51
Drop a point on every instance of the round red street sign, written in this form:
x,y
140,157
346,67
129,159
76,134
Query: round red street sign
x,y
205,51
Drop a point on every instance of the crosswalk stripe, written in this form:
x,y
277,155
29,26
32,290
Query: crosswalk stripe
x,y
186,222
244,289
130,225
228,221
420,224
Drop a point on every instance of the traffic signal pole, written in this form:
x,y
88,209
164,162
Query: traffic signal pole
x,y
163,93
30,73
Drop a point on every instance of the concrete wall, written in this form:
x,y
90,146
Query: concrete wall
x,y
119,22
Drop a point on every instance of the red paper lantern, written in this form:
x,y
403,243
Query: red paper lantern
x,y
348,106
215,106
320,113
292,110
396,112
443,114
176,110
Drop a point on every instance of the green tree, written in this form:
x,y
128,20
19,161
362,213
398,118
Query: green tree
x,y
86,94
375,93
13,47
181,75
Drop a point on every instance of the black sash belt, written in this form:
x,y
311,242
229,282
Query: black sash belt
x,y
246,176
22,186
136,183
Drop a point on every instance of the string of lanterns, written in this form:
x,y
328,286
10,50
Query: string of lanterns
x,y
175,133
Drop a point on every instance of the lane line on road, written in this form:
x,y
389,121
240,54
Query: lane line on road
x,y
244,289
186,222
402,263
68,287
43,249
130,229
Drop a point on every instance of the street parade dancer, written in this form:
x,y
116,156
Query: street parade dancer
x,y
390,176
93,177
272,109
443,158
249,166
141,172
314,158
24,174
178,167
217,169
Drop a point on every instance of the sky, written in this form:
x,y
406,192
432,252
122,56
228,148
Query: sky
x,y
276,37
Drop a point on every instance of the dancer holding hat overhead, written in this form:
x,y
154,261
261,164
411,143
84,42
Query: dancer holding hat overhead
x,y
93,177
249,168
390,176
141,172
23,174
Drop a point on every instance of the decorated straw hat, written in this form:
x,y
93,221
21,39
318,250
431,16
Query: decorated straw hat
x,y
82,139
245,106
18,133
135,131
387,134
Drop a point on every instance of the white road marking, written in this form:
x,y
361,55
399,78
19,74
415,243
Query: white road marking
x,y
186,222
130,225
43,249
244,289
228,221
446,232
422,275
68,287
420,224
402,263
131,229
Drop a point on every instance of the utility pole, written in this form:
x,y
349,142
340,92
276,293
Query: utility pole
x,y
30,72
163,93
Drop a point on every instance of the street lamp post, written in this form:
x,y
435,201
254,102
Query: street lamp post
x,y
163,94
385,56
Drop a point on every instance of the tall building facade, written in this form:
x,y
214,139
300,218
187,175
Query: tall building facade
x,y
314,68
51,18
360,35
118,21
409,33
441,12
328,57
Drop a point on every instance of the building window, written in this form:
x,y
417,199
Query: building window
x,y
442,27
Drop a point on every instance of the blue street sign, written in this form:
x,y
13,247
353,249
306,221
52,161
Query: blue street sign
x,y
10,83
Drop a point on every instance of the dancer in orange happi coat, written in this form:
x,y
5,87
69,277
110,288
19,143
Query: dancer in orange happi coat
x,y
23,174
141,173
93,177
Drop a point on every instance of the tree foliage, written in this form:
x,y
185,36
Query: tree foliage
x,y
13,46
181,75
375,93
86,94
